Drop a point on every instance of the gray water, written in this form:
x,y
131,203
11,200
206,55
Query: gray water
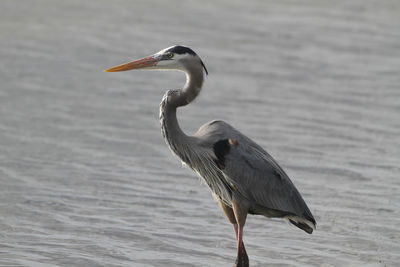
x,y
85,176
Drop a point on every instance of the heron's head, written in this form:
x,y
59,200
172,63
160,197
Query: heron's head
x,y
176,57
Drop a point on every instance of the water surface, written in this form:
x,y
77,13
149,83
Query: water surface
x,y
85,176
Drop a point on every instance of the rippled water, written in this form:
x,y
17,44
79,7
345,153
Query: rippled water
x,y
86,179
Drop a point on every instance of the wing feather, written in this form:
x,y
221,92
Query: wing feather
x,y
256,176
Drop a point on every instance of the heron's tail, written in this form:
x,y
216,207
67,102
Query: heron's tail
x,y
304,224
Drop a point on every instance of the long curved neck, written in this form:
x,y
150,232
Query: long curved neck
x,y
176,139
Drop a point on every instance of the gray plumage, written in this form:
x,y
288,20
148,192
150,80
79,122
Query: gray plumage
x,y
240,173
256,175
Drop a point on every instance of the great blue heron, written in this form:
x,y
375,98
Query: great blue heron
x,y
243,177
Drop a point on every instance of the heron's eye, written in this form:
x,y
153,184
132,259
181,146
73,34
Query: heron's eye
x,y
170,55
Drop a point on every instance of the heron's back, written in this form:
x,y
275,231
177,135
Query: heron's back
x,y
253,174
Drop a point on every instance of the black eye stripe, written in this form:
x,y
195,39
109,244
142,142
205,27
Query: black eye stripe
x,y
179,49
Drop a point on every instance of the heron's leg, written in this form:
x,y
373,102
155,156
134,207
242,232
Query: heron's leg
x,y
228,211
230,215
240,212
236,228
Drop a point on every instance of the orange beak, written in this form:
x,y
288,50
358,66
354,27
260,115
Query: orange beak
x,y
137,64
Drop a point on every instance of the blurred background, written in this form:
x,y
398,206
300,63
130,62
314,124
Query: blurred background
x,y
87,180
